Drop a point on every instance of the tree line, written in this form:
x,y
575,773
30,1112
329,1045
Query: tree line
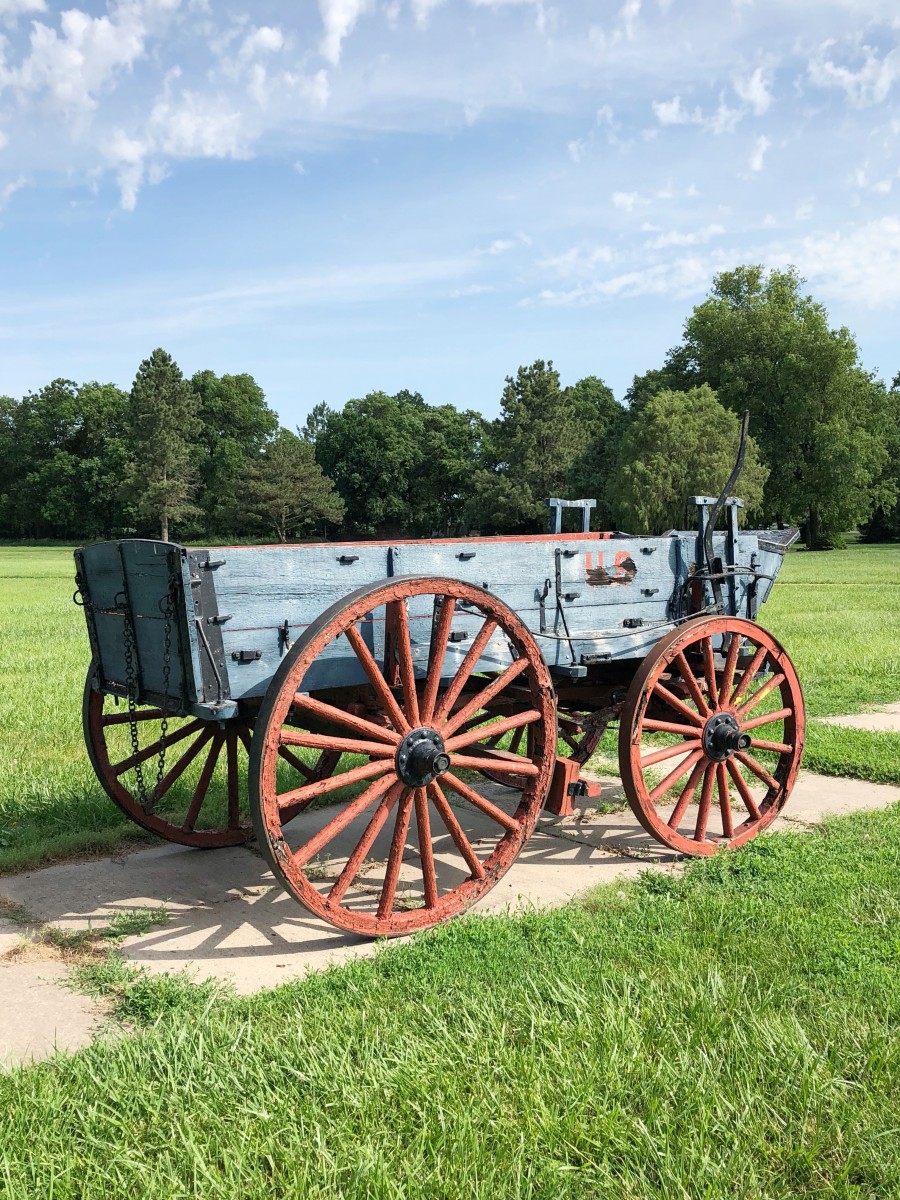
x,y
205,458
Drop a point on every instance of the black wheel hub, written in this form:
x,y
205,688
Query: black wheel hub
x,y
722,737
421,757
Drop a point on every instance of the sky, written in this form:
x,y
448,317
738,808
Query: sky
x,y
339,196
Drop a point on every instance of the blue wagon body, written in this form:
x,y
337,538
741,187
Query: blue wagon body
x,y
588,599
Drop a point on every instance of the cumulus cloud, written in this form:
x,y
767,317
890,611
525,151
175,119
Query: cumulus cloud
x,y
339,18
754,90
676,238
759,153
867,85
10,9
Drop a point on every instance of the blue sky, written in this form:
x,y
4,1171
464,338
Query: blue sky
x,y
344,195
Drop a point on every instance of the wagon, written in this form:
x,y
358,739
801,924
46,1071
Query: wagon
x,y
389,718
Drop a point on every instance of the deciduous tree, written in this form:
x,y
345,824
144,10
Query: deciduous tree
x,y
286,490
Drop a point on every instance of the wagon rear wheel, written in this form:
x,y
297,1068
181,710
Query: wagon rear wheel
x,y
577,738
399,837
711,735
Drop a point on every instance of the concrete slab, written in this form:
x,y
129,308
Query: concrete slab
x,y
231,921
818,796
883,719
39,1015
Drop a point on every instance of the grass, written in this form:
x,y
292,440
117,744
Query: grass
x,y
837,613
733,1032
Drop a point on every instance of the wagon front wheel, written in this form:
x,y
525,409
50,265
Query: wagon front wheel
x,y
399,679
711,735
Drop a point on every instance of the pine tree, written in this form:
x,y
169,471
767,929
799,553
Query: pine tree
x,y
163,426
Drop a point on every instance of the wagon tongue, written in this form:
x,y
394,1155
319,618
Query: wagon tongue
x,y
421,757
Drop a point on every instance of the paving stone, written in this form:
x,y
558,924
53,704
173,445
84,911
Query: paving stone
x,y
40,1014
883,719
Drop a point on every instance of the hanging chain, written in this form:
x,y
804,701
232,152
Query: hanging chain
x,y
148,797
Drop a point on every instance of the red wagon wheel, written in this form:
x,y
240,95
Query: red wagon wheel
x,y
410,842
711,737
198,797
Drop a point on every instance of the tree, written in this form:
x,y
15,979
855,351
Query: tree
x,y
592,470
235,425
761,344
373,450
884,524
164,426
684,444
66,456
287,491
538,445
440,488
316,423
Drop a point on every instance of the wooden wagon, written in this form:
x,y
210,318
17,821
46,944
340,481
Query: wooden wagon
x,y
346,702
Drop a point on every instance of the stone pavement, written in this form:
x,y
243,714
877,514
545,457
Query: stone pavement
x,y
230,921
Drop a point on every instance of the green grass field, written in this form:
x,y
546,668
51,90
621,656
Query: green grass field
x,y
732,1033
837,613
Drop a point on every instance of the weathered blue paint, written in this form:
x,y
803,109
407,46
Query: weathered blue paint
x,y
259,592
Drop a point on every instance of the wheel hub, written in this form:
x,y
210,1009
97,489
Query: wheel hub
x,y
421,757
722,737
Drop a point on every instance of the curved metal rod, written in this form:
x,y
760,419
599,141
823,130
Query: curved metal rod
x,y
717,508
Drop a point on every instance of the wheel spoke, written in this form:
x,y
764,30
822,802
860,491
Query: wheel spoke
x,y
338,823
143,714
724,800
500,766
513,671
679,706
489,809
767,718
703,807
320,741
395,856
154,748
466,667
296,762
731,658
746,795
462,843
760,695
179,768
439,639
516,740
365,844
319,787
759,771
690,682
202,787
404,656
775,747
328,712
234,795
495,730
687,795
709,665
747,678
680,771
426,850
668,752
377,680
670,727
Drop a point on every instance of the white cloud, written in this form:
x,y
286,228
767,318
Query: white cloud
x,y
576,149
759,153
339,18
10,9
265,39
9,190
672,112
678,279
869,84
578,262
754,90
196,125
861,266
698,238
628,201
422,10
500,246
629,15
